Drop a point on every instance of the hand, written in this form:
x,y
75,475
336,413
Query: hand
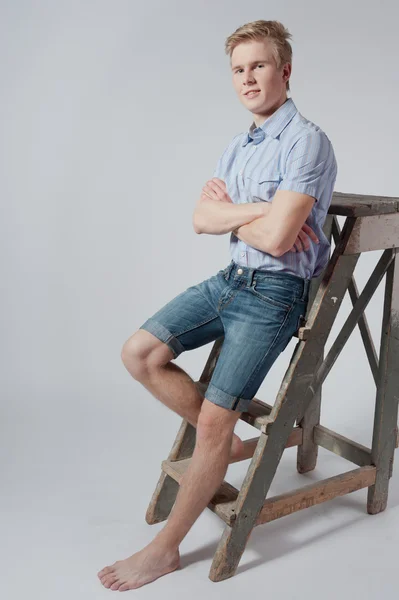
x,y
302,241
216,189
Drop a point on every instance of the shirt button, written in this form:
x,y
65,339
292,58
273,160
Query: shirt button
x,y
239,271
242,253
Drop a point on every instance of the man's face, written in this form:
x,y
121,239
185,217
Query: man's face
x,y
253,67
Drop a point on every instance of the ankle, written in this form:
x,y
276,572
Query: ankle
x,y
166,544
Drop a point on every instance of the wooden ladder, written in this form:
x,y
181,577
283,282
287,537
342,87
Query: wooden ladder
x,y
372,223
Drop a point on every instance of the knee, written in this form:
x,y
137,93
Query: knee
x,y
212,430
133,356
216,423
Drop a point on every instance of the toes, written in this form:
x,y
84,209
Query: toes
x,y
104,571
124,587
109,580
116,585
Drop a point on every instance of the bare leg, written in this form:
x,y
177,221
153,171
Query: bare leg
x,y
204,474
170,384
202,479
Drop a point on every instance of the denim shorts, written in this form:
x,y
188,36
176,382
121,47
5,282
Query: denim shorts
x,y
256,311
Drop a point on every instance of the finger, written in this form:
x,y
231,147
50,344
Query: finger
x,y
223,188
304,239
298,244
309,231
209,190
218,191
219,182
219,186
214,185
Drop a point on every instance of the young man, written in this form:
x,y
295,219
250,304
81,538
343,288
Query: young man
x,y
270,186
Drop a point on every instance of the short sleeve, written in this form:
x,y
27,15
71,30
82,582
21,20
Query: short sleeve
x,y
310,165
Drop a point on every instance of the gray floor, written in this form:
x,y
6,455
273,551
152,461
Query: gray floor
x,y
77,479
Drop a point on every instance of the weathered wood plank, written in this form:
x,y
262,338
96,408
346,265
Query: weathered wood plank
x,y
360,205
224,502
386,409
374,233
165,492
308,451
363,324
316,493
320,319
352,319
342,446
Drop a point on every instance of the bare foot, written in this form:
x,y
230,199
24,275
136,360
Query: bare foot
x,y
140,568
237,447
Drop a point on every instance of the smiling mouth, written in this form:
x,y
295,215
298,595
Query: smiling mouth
x,y
252,93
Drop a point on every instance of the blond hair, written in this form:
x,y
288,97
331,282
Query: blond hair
x,y
274,31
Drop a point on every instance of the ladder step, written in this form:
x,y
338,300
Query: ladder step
x,y
316,493
224,501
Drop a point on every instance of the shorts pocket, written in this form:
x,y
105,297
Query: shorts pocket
x,y
273,294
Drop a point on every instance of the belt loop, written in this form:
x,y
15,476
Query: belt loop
x,y
228,269
251,276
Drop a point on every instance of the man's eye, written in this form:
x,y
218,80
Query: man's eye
x,y
260,65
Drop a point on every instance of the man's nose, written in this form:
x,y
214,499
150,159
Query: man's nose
x,y
248,78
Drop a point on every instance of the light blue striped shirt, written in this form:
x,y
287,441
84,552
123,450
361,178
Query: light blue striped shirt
x,y
287,152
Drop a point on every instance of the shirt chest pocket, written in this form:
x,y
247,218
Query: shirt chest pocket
x,y
263,187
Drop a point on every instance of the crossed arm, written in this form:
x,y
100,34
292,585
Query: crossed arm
x,y
274,227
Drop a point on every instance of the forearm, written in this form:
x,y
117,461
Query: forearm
x,y
214,217
257,233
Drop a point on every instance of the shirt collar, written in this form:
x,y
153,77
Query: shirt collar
x,y
273,125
